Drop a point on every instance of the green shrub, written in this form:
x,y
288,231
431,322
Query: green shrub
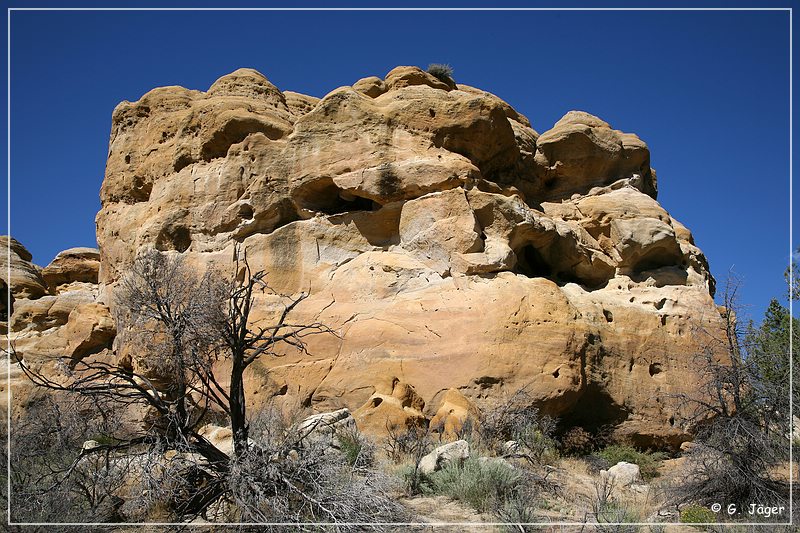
x,y
351,450
538,443
357,450
518,509
648,461
414,481
616,518
442,72
697,514
485,486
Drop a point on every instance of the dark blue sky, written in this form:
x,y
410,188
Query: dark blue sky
x,y
707,90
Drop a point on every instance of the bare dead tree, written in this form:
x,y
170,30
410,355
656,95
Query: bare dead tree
x,y
179,325
245,343
43,450
514,418
741,422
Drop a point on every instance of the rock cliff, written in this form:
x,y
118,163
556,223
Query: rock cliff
x,y
459,254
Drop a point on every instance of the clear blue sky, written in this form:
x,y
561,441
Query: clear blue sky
x,y
708,91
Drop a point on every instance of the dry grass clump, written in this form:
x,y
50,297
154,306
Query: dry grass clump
x,y
441,72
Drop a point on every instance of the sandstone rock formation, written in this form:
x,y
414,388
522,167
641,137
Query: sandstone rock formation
x,y
393,406
73,265
454,411
450,246
25,277
56,317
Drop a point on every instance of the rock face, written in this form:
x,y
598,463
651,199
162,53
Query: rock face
x,y
56,316
73,265
450,246
454,411
394,406
25,277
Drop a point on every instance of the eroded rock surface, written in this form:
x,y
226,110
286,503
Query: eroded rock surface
x,y
25,278
73,265
450,245
57,318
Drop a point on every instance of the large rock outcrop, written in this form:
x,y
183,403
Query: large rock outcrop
x,y
57,318
450,245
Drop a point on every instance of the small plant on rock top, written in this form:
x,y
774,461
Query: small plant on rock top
x,y
441,72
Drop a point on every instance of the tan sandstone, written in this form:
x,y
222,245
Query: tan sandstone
x,y
458,254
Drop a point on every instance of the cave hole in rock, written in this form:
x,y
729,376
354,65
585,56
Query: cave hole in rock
x,y
176,238
655,368
325,197
663,320
233,132
532,264
487,382
246,212
376,402
672,421
140,189
562,277
657,259
555,373
595,411
182,161
553,263
630,365
608,315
